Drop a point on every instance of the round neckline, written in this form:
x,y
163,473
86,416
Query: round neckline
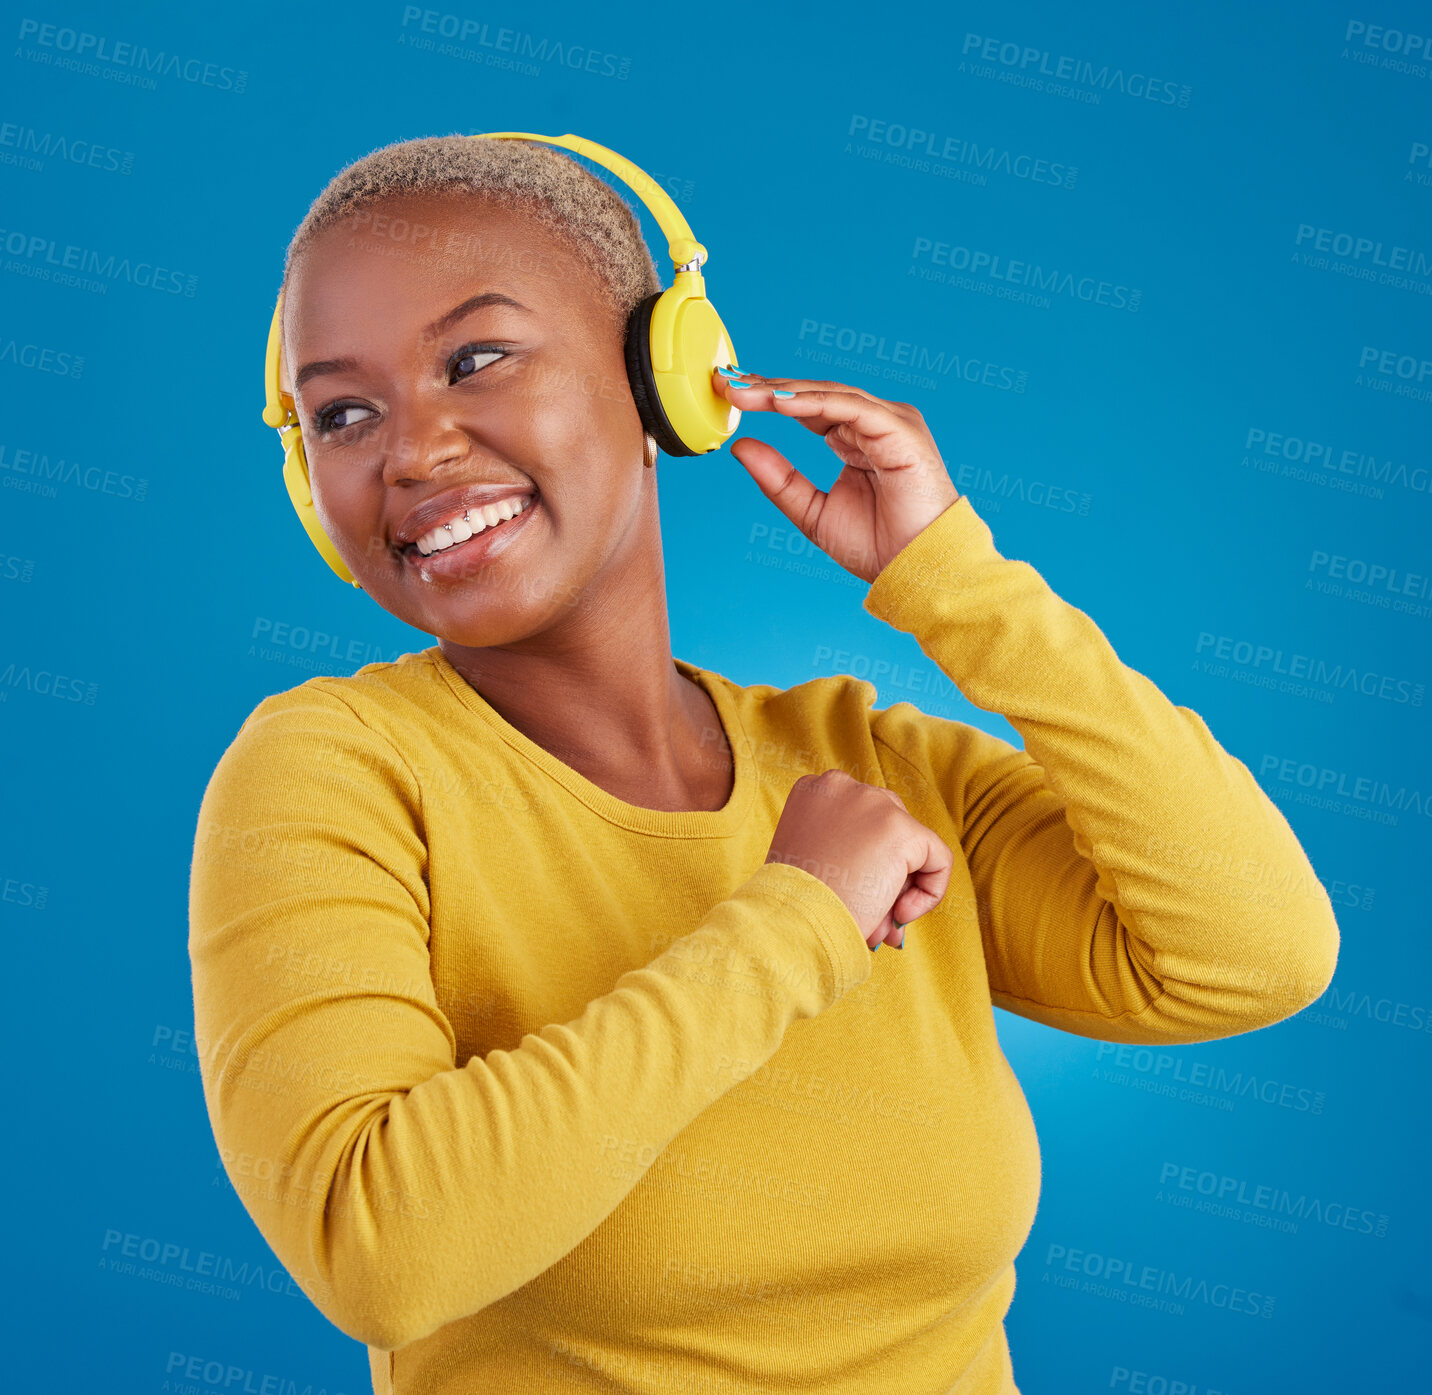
x,y
669,823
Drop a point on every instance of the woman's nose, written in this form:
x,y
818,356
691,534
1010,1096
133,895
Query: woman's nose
x,y
420,443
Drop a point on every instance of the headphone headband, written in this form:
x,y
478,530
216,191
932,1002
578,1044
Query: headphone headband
x,y
682,245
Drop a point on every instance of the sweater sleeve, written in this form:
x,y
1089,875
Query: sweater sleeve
x,y
400,1190
1132,881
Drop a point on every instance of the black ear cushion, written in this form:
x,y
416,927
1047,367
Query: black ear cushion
x,y
643,384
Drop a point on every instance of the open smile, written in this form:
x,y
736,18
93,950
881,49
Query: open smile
x,y
486,540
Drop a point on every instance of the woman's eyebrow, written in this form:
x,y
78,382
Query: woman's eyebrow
x,y
475,302
319,367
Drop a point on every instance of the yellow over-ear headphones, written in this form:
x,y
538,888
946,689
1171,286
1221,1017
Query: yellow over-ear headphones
x,y
674,339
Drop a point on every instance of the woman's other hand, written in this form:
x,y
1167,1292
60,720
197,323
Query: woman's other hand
x,y
863,843
894,483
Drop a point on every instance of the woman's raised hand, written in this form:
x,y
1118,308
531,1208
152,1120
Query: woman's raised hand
x,y
893,485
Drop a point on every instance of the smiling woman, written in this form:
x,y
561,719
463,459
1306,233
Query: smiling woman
x,y
424,432
539,1028
412,420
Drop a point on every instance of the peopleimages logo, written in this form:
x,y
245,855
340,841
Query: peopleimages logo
x,y
503,47
226,1375
40,358
42,258
1367,789
1376,45
1359,248
1394,373
1363,258
1032,66
169,1260
956,150
901,359
979,262
1394,364
1326,461
1388,1011
29,145
1276,1204
1375,575
1129,1276
996,488
1332,673
62,47
34,472
1209,1076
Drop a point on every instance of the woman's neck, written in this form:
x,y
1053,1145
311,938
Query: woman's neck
x,y
621,715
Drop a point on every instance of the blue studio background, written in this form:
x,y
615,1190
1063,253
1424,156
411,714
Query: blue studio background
x,y
1210,433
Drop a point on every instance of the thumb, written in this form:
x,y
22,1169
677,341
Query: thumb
x,y
789,490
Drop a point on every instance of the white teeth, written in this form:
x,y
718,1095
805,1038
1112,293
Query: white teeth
x,y
461,527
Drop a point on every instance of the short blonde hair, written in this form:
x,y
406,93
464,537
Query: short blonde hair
x,y
587,213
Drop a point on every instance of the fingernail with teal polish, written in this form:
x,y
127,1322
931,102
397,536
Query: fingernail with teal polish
x,y
876,946
734,383
730,372
781,392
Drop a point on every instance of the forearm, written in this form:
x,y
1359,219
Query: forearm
x,y
1214,903
421,1193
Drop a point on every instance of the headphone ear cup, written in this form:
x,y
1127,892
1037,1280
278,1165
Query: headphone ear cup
x,y
295,478
637,348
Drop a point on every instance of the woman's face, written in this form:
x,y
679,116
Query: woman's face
x,y
412,407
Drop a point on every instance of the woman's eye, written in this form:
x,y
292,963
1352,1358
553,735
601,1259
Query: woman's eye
x,y
329,418
476,355
467,361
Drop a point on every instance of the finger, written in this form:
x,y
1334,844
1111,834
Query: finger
x,y
930,880
761,397
868,420
888,931
818,409
912,904
749,397
885,930
808,384
789,490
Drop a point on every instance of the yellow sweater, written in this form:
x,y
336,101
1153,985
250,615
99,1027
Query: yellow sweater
x,y
535,1090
